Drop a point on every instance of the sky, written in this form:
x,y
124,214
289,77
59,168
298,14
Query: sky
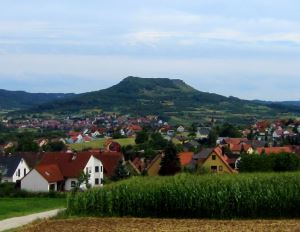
x,y
247,49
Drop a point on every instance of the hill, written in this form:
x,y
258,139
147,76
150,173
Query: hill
x,y
172,99
24,100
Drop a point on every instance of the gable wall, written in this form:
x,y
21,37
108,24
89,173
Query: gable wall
x,y
217,162
34,182
22,166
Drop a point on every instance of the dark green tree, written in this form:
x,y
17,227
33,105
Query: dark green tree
x,y
228,130
141,137
121,171
83,178
212,138
26,144
54,146
157,141
170,163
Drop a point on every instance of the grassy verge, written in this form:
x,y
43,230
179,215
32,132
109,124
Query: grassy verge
x,y
99,144
14,207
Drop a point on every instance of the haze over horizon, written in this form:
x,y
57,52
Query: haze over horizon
x,y
229,47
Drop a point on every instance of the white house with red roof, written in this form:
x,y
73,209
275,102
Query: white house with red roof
x,y
60,172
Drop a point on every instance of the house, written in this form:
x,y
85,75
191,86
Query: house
x,y
110,161
239,148
191,145
154,166
60,172
112,146
139,164
32,159
277,134
185,158
235,141
199,158
256,143
203,132
215,162
13,168
273,150
180,129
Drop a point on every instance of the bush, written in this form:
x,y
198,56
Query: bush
x,y
10,190
267,163
193,196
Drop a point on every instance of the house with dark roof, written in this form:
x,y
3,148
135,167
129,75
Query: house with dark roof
x,y
13,168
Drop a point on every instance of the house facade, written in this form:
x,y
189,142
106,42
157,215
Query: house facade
x,y
13,168
215,162
60,172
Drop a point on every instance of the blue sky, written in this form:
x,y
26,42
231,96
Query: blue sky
x,y
248,49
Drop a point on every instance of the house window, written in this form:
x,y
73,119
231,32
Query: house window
x,y
19,173
52,187
73,184
214,168
221,168
213,157
101,181
96,168
101,168
96,181
25,171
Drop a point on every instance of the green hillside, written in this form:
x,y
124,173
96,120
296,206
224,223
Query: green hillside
x,y
168,98
22,100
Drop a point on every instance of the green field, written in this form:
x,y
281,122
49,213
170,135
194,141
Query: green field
x,y
15,207
259,195
99,144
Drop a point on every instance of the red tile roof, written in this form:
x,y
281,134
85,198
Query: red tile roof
x,y
50,172
71,164
273,150
235,141
185,158
110,161
135,128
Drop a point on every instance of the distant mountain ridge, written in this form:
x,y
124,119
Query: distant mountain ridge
x,y
24,100
171,98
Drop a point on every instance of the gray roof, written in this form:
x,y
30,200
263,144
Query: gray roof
x,y
255,143
203,154
9,164
204,130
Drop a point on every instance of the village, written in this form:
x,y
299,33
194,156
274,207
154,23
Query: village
x,y
110,148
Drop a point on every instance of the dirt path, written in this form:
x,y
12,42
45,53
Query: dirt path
x,y
163,225
15,222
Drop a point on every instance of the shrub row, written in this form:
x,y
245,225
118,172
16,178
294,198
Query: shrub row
x,y
10,190
189,196
269,163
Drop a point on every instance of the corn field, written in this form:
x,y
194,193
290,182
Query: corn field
x,y
190,196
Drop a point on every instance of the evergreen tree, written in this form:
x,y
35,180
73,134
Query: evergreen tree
x,y
170,163
121,171
141,137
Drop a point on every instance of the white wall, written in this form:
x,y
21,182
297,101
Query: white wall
x,y
34,182
21,167
68,186
6,179
92,163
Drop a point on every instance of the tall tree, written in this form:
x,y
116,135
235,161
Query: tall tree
x,y
170,163
141,137
121,171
